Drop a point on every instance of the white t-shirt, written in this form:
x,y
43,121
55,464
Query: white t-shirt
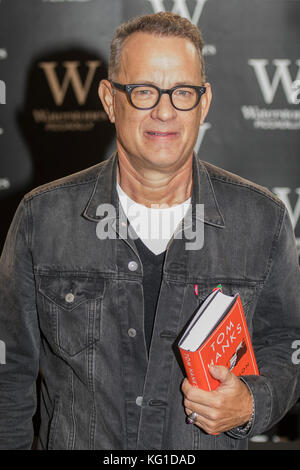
x,y
154,226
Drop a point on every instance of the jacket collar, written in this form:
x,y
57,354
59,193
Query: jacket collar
x,y
104,192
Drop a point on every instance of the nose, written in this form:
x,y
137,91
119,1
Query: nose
x,y
164,110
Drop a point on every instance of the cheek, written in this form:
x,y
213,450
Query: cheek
x,y
191,125
128,121
129,129
197,116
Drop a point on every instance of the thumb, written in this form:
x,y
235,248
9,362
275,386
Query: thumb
x,y
220,373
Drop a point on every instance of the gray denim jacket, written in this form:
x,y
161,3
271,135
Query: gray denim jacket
x,y
71,309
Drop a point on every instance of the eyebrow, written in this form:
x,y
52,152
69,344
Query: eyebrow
x,y
148,82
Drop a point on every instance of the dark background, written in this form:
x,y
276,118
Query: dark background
x,y
53,53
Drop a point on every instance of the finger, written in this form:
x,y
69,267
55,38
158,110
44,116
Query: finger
x,y
221,373
197,395
207,412
209,426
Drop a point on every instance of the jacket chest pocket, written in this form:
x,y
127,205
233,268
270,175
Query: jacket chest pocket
x,y
71,311
248,293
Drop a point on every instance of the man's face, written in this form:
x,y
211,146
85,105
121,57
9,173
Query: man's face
x,y
161,138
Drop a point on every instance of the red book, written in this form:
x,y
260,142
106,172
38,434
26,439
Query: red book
x,y
217,335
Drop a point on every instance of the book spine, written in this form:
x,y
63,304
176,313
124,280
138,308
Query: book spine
x,y
194,369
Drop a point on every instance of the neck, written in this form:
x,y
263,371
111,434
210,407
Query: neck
x,y
154,187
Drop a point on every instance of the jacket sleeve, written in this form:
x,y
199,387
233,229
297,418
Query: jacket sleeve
x,y
276,334
19,336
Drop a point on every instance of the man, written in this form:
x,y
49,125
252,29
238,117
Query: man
x,y
98,309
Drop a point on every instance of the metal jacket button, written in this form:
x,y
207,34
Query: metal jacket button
x,y
132,265
69,298
131,332
139,401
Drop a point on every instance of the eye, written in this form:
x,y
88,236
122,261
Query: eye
x,y
183,92
143,91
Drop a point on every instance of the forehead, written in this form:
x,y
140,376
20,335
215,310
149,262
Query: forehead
x,y
155,58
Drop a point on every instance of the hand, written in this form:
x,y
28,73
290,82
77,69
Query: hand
x,y
228,406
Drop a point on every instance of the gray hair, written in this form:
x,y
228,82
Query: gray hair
x,y
159,24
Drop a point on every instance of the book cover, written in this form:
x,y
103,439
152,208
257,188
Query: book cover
x,y
217,335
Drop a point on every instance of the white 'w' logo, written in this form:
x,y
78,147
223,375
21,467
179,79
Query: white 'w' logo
x,y
282,75
180,8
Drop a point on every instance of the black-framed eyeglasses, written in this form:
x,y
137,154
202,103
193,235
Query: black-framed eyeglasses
x,y
143,96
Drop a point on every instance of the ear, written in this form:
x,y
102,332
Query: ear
x,y
106,96
205,102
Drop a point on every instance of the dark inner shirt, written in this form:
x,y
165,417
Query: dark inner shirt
x,y
152,268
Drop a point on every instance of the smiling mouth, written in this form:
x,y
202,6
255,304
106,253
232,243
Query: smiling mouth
x,y
156,134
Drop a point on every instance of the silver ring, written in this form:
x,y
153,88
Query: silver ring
x,y
192,418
